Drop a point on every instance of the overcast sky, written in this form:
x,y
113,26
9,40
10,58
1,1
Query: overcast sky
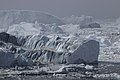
x,y
96,8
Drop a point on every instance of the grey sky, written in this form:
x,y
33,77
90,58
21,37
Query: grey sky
x,y
96,8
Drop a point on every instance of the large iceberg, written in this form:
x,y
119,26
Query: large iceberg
x,y
50,50
8,18
32,38
65,53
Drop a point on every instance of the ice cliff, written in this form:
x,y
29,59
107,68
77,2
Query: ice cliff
x,y
47,50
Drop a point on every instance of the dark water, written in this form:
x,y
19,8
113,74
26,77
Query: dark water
x,y
41,78
103,68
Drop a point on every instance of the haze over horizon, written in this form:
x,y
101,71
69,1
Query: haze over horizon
x,y
102,9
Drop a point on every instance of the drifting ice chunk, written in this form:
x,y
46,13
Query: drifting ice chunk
x,y
8,59
87,52
91,25
78,20
5,37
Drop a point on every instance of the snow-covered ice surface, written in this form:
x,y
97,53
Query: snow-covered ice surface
x,y
38,43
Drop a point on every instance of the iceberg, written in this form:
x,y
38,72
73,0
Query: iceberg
x,y
58,50
26,29
10,17
33,38
50,50
87,52
91,25
9,59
